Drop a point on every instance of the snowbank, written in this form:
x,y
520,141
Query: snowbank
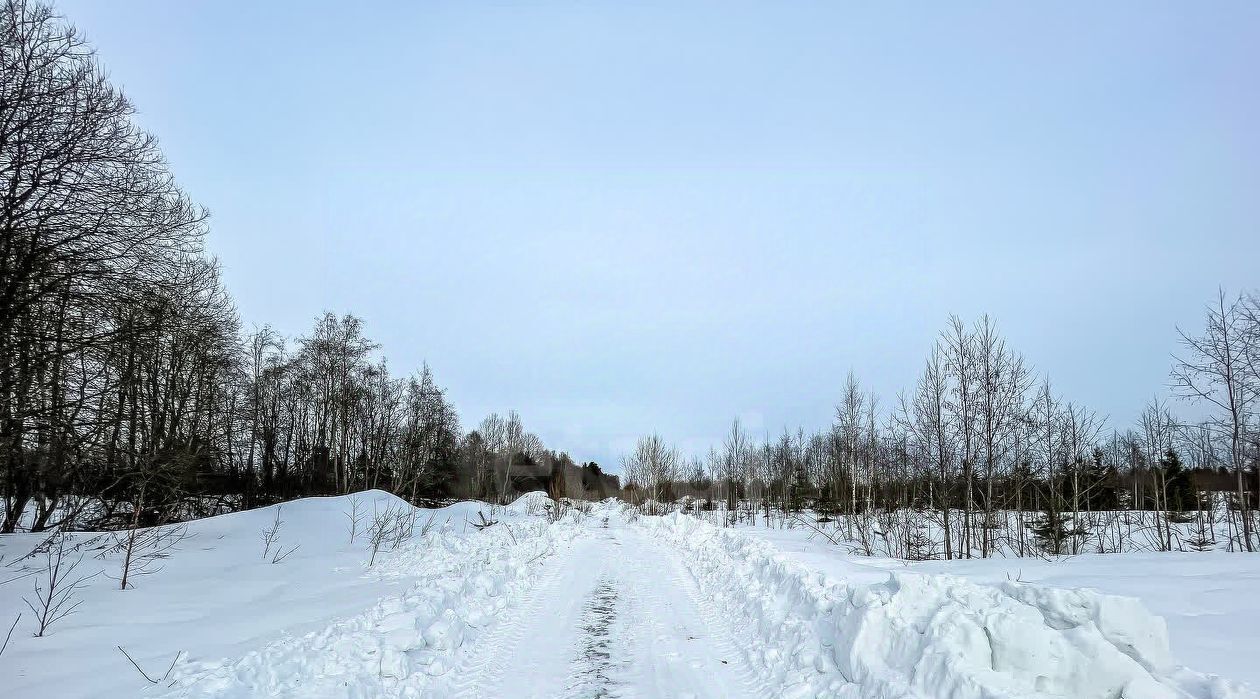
x,y
931,635
408,643
216,596
530,503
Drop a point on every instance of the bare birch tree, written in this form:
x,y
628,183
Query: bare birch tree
x,y
1218,369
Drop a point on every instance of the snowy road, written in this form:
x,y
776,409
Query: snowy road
x,y
618,616
611,604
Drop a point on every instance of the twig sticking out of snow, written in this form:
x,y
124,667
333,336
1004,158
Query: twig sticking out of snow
x,y
10,634
282,553
145,674
271,534
271,537
816,529
484,523
355,515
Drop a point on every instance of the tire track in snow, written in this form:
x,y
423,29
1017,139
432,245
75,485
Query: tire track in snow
x,y
617,619
483,668
678,651
722,633
593,668
540,659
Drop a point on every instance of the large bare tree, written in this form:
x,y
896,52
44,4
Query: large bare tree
x,y
1218,368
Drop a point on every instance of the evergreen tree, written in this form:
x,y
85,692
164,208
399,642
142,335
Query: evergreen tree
x,y
1177,484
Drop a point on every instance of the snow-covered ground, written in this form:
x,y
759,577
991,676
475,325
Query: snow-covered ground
x,y
608,603
1208,599
620,616
217,598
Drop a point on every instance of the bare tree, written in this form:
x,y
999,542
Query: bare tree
x,y
734,455
1158,431
1001,387
849,423
1080,429
1218,369
652,466
959,346
90,219
924,414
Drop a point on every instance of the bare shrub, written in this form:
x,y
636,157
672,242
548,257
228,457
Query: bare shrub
x,y
271,541
271,534
429,524
404,526
355,515
143,549
391,526
57,597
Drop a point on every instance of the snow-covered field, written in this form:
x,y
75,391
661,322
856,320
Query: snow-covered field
x,y
608,603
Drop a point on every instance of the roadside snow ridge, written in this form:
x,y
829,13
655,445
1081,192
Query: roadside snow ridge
x,y
407,644
934,636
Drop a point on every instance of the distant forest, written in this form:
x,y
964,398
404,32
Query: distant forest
x,y
982,457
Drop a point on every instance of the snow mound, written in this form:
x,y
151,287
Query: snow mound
x,y
931,635
530,503
615,510
407,644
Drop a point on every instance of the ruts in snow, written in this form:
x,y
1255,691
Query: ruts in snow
x,y
623,621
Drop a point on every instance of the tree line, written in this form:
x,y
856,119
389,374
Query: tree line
x,y
129,392
983,457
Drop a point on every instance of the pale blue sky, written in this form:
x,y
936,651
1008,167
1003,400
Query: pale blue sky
x,y
621,217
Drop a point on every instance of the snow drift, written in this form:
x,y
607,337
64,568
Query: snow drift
x,y
407,644
931,635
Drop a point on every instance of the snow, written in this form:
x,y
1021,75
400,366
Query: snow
x,y
598,601
623,619
530,503
1207,599
930,635
217,598
407,643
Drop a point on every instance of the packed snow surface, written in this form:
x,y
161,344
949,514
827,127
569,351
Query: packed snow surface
x,y
539,600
